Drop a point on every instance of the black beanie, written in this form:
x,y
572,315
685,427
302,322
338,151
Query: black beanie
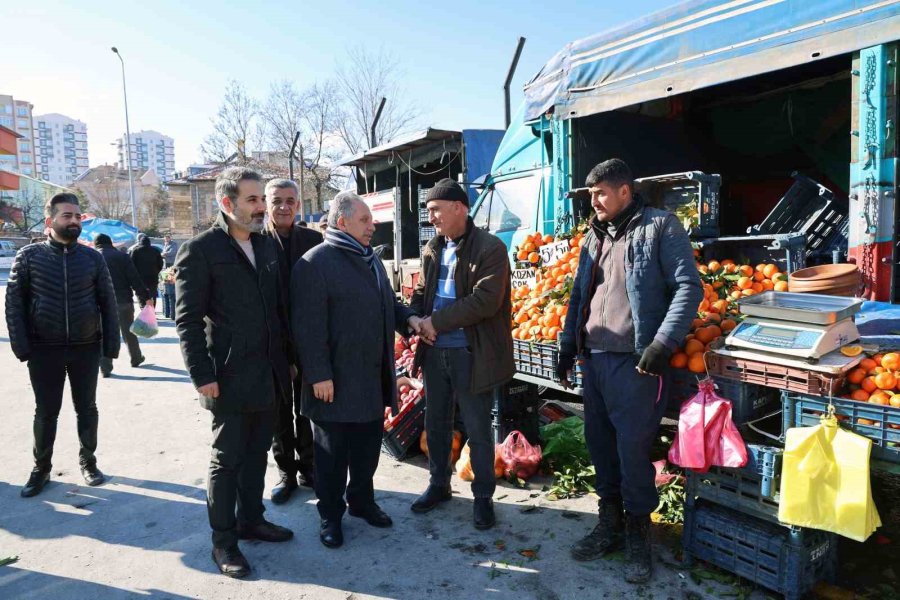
x,y
102,240
447,189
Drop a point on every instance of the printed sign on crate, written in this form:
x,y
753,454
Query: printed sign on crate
x,y
553,253
522,277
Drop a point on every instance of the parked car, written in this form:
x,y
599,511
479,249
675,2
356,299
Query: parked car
x,y
7,248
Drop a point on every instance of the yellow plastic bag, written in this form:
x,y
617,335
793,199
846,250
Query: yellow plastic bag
x,y
825,481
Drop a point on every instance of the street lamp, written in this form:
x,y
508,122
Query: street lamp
x,y
127,142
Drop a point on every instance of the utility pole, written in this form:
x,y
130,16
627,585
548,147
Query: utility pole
x,y
128,143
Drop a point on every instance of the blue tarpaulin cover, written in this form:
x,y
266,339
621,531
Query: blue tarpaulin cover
x,y
480,147
701,43
120,232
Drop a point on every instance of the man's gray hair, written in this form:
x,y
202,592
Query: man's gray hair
x,y
282,184
342,206
227,182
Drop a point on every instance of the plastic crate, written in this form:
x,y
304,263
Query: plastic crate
x,y
787,250
405,433
423,215
801,410
748,401
808,208
540,360
515,407
426,232
765,553
774,376
677,189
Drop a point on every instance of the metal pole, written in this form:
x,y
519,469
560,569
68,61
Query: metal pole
x,y
128,143
302,201
509,76
372,140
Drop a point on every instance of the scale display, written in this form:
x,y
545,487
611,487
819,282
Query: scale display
x,y
802,340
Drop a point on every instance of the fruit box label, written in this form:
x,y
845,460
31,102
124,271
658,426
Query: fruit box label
x,y
522,277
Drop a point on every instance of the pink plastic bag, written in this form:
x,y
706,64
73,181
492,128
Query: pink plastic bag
x,y
520,458
706,434
145,325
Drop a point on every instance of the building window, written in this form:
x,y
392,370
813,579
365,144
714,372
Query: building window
x,y
27,171
22,122
22,111
24,147
6,108
26,158
6,121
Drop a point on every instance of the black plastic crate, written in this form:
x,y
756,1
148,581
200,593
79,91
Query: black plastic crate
x,y
674,190
516,408
808,208
765,553
423,215
748,401
426,232
734,488
801,410
405,433
786,250
540,360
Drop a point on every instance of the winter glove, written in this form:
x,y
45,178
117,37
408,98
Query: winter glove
x,y
565,364
655,358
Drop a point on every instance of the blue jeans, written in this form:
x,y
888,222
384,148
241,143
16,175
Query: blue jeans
x,y
622,412
169,301
447,374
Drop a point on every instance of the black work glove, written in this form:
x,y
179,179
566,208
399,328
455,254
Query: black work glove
x,y
565,364
655,359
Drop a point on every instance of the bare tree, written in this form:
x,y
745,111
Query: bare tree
x,y
322,142
108,196
282,115
363,81
235,126
156,205
30,201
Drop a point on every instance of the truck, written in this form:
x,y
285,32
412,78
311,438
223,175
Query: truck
x,y
750,98
393,179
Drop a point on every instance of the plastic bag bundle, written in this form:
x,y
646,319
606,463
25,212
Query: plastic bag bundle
x,y
825,481
706,435
145,324
521,459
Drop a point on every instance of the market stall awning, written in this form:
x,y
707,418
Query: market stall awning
x,y
406,143
701,43
120,232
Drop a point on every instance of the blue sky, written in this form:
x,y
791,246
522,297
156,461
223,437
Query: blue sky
x,y
179,55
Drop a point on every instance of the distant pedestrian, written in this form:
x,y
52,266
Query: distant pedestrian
x,y
149,262
464,297
323,223
170,249
232,324
168,296
62,317
125,280
292,447
344,316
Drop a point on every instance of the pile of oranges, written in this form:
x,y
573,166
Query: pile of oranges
x,y
724,283
539,310
877,381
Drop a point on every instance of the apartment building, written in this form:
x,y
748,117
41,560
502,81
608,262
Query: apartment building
x,y
150,150
61,148
16,115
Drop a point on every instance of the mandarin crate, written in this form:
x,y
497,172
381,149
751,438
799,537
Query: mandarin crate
x,y
802,410
763,552
748,401
540,360
775,376
405,433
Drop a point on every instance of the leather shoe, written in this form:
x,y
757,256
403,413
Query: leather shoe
x,y
373,515
282,492
307,478
265,532
484,513
138,362
433,496
106,373
92,475
231,562
331,533
36,482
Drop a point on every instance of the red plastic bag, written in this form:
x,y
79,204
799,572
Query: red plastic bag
x,y
706,434
520,458
145,325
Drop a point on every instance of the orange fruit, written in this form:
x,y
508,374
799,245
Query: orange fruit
x,y
727,262
868,384
895,401
862,421
760,268
891,361
714,266
856,376
781,286
758,287
694,346
534,258
679,360
747,292
744,283
770,271
877,358
529,247
860,395
696,364
719,306
697,323
758,276
880,398
705,335
867,364
727,325
768,285
714,330
885,381
548,238
746,270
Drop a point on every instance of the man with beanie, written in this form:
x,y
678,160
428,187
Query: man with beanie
x,y
635,295
125,279
464,295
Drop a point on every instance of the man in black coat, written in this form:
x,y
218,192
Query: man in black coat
x,y
344,314
61,316
230,318
149,262
125,280
292,447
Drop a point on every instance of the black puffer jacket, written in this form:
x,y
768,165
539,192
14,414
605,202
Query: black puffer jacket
x,y
60,295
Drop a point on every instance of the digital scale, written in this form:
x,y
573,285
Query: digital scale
x,y
804,326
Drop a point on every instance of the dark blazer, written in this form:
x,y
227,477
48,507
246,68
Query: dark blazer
x,y
302,241
124,275
149,262
344,331
230,318
60,294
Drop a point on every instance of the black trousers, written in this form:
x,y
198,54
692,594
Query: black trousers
x,y
237,472
48,367
343,448
126,318
292,447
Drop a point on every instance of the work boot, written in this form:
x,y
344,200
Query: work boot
x,y
36,482
433,496
92,475
637,548
607,536
282,492
231,562
264,532
307,478
331,534
483,510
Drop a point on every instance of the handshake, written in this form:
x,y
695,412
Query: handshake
x,y
423,328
